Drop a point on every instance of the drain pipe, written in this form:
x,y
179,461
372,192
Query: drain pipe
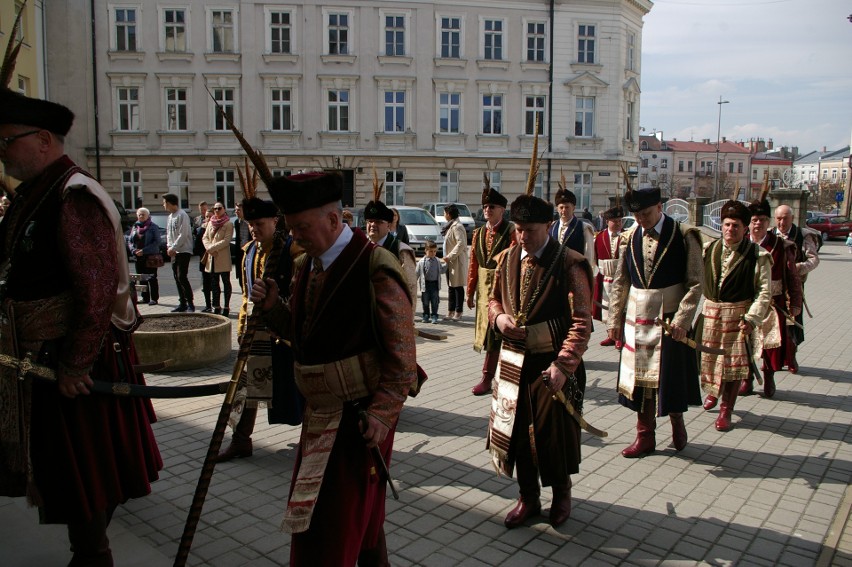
x,y
95,95
550,103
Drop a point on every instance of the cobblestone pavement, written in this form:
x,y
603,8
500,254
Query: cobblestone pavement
x,y
773,491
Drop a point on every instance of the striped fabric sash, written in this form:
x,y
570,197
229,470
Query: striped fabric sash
x,y
504,402
721,330
326,387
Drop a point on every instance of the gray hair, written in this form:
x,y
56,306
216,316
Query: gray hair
x,y
143,210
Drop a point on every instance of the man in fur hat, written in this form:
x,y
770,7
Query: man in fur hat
x,y
66,304
487,242
379,218
658,275
786,290
349,318
571,231
807,259
269,368
606,256
737,301
541,305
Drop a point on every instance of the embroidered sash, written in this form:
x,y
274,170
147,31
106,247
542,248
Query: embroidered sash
x,y
326,387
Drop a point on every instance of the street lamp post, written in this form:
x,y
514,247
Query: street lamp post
x,y
718,136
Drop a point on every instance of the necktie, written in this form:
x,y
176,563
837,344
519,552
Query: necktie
x,y
562,228
314,283
649,247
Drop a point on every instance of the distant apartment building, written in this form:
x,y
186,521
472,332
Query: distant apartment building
x,y
431,94
693,169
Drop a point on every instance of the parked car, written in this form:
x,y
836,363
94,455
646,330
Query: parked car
x,y
627,222
465,216
421,226
830,226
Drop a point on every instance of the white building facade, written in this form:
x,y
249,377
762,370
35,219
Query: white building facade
x,y
431,94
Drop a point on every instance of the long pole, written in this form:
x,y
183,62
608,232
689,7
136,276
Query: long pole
x,y
718,137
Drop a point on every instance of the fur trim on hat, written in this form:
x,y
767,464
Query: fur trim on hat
x,y
304,191
16,108
528,208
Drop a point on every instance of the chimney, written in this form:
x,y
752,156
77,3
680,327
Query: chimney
x,y
824,149
770,144
724,139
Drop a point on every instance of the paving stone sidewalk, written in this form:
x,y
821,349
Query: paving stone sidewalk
x,y
773,491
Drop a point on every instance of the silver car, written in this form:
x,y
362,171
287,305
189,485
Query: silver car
x,y
421,226
465,216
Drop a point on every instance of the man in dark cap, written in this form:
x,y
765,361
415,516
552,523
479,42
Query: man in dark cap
x,y
606,256
349,318
269,368
737,301
569,230
545,333
786,288
379,220
487,242
66,305
658,276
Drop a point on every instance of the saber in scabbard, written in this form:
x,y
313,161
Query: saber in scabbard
x,y
750,354
667,328
790,319
375,452
559,396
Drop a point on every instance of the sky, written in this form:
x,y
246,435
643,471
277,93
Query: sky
x,y
785,66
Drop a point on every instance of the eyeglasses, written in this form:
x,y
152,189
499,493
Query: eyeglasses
x,y
4,142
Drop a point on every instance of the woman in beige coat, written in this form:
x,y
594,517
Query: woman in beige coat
x,y
217,244
456,258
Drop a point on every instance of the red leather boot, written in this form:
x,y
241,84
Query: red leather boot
x,y
710,402
489,367
645,440
560,509
679,437
747,386
729,398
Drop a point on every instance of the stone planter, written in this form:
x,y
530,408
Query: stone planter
x,y
197,341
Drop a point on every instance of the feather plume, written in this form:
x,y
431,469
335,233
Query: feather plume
x,y
255,156
377,187
626,179
12,48
562,183
735,192
765,190
534,163
248,180
486,185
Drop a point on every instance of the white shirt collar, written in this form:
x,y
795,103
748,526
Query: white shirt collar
x,y
537,254
659,226
329,256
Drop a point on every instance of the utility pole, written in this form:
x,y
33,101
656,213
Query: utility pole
x,y
718,135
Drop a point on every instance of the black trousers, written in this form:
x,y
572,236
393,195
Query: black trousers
x,y
180,269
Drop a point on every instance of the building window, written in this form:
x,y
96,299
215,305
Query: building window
x,y
394,187
395,35
583,190
584,117
448,186
492,114
630,109
664,163
338,110
282,108
643,163
492,35
222,26
740,167
176,111
128,108
125,29
338,34
631,51
536,41
538,186
23,85
689,167
833,175
23,25
279,32
449,113
394,110
680,166
533,110
586,44
131,188
730,167
280,172
825,174
224,187
174,28
179,185
225,98
450,38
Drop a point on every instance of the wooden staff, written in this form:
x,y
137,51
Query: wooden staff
x,y
252,324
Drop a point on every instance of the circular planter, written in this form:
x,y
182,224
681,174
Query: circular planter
x,y
199,340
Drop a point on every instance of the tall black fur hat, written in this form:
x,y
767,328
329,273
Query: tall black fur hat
x,y
735,210
16,108
254,208
304,191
